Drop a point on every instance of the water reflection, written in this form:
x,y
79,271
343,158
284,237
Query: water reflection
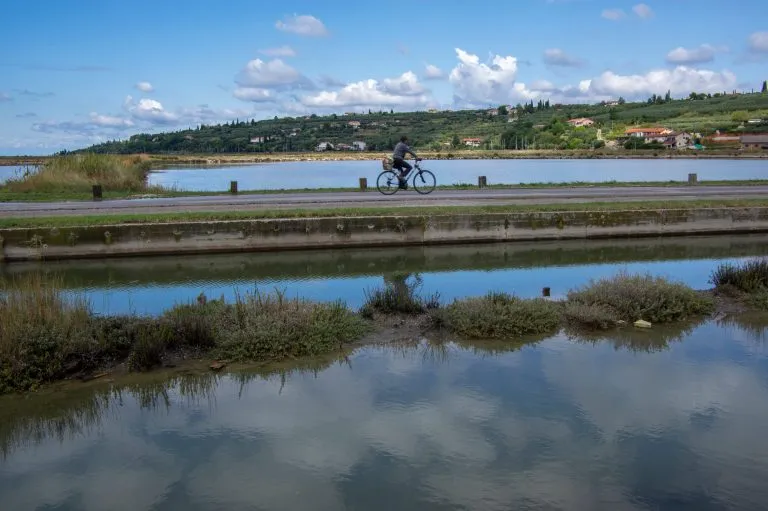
x,y
550,425
151,285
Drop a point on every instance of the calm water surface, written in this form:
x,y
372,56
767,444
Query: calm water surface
x,y
346,173
9,171
664,420
151,285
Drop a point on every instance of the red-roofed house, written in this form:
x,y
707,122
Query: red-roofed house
x,y
472,142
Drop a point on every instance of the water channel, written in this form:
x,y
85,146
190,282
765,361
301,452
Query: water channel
x,y
325,174
671,418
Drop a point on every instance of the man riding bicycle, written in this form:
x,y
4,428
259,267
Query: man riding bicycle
x,y
399,163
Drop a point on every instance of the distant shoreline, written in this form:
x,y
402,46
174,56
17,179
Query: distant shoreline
x,y
212,159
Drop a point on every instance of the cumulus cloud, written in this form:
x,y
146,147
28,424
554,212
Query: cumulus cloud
x,y
304,24
404,90
94,125
643,11
699,55
149,110
680,80
475,81
253,94
272,74
758,42
144,87
109,121
432,72
558,57
282,51
613,14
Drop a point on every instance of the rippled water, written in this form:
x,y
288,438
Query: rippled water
x,y
316,174
662,420
151,285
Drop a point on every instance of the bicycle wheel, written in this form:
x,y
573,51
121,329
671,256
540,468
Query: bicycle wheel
x,y
387,182
424,182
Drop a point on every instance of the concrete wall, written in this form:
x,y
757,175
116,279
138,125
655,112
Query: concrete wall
x,y
309,233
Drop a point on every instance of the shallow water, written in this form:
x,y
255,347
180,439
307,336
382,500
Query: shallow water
x,y
9,171
151,285
321,174
631,423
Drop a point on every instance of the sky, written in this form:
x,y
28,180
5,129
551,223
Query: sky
x,y
78,72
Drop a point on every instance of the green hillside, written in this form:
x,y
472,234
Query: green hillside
x,y
532,126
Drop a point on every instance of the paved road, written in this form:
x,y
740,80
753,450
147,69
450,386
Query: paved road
x,y
374,199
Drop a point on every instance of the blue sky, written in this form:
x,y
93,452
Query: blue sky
x,y
75,72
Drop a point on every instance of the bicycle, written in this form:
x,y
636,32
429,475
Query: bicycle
x,y
388,182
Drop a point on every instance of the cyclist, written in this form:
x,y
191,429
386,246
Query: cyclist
x,y
399,163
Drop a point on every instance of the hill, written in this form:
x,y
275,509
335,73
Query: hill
x,y
532,126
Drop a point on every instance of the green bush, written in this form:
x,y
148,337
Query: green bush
x,y
590,316
749,277
633,297
400,295
500,316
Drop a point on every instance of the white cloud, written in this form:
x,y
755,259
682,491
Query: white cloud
x,y
403,91
109,121
558,57
145,87
304,24
758,42
271,74
254,94
699,55
474,81
643,11
282,51
149,110
432,72
680,80
613,14
4,97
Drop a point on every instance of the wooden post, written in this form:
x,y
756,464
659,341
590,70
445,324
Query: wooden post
x,y
96,192
693,179
482,182
545,291
363,184
233,187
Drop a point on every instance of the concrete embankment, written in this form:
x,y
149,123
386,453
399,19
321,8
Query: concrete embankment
x,y
309,233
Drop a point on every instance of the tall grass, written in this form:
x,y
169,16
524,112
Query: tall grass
x,y
633,297
749,277
79,172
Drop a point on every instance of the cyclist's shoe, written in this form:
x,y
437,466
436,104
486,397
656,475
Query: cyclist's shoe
x,y
403,184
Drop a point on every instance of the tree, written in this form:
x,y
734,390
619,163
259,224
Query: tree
x,y
622,100
765,86
668,97
502,110
455,141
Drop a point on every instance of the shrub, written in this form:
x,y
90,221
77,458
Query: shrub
x,y
271,327
633,297
399,295
500,316
749,277
590,316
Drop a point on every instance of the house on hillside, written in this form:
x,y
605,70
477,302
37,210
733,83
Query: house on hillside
x,y
354,124
472,142
754,141
359,145
678,141
257,140
324,146
581,122
648,132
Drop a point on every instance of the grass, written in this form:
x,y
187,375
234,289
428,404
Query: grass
x,y
46,335
633,297
398,296
500,316
206,216
76,174
749,279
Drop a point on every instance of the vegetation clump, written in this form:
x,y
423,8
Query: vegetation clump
x,y
500,316
399,295
79,172
749,278
633,297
